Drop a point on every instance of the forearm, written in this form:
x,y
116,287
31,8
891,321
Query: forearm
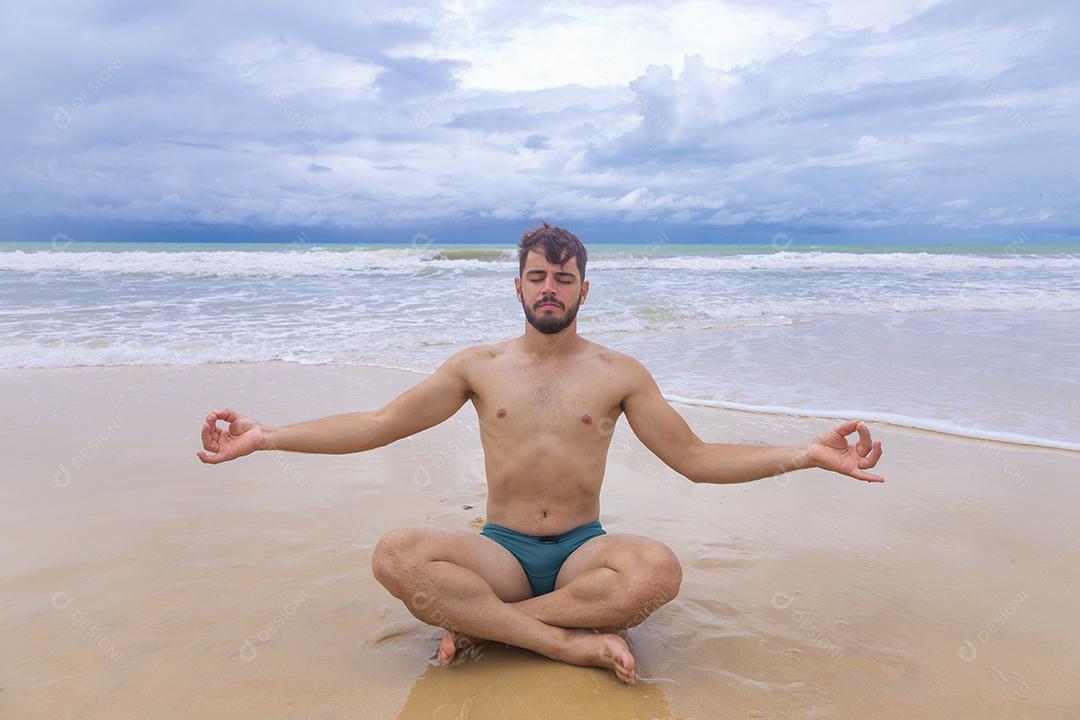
x,y
723,463
336,435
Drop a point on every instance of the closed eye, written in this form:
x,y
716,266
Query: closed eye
x,y
564,278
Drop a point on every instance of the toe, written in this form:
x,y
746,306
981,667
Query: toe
x,y
621,661
446,648
625,671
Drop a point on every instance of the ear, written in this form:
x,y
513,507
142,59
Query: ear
x,y
584,290
517,288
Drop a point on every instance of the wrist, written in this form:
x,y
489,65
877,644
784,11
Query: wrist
x,y
804,457
268,436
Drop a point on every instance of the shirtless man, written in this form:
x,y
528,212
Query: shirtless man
x,y
542,574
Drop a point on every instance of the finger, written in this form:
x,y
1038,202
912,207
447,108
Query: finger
x,y
210,458
227,415
206,435
211,435
213,418
864,445
871,460
868,477
845,429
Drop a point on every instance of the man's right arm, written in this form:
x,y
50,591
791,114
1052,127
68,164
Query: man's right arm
x,y
425,405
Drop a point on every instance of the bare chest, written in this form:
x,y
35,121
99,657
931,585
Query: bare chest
x,y
555,400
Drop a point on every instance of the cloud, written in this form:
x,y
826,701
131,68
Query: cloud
x,y
501,120
410,77
538,142
947,115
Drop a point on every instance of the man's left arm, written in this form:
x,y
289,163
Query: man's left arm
x,y
661,429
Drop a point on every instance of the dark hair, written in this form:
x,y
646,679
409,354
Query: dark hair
x,y
558,245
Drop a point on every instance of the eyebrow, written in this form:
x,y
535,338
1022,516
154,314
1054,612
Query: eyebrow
x,y
544,272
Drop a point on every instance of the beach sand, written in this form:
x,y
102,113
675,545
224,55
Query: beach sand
x,y
136,582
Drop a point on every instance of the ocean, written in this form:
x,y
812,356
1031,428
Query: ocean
x,y
980,341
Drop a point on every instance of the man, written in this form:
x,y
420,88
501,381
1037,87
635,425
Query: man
x,y
542,574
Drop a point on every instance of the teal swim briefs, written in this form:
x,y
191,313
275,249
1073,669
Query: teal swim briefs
x,y
541,556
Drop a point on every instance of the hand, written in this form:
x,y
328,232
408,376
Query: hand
x,y
243,437
830,451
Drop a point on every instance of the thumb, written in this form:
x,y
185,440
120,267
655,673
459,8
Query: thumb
x,y
240,425
833,440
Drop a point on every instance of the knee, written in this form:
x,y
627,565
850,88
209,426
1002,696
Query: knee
x,y
396,557
658,575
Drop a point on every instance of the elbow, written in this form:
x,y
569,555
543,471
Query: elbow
x,y
694,468
697,477
691,471
381,432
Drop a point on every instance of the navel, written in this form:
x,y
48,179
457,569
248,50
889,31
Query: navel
x,y
501,412
586,419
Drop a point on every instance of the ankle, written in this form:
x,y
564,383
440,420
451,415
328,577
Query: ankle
x,y
564,642
572,643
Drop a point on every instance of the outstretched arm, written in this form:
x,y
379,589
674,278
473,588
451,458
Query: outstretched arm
x,y
661,429
427,404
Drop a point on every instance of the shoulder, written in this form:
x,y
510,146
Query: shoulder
x,y
634,381
611,357
470,362
475,354
624,367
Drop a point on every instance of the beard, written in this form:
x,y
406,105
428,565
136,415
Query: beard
x,y
551,324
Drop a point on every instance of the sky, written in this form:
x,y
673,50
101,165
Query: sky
x,y
704,120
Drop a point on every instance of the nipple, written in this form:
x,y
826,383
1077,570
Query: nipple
x,y
586,419
501,412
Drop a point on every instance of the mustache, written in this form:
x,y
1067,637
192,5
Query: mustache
x,y
548,300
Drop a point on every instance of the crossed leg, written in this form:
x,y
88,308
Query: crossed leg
x,y
613,581
474,588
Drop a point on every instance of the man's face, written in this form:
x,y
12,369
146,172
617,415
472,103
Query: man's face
x,y
550,294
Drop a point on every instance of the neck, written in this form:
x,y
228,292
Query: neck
x,y
543,346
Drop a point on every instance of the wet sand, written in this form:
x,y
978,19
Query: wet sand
x,y
136,582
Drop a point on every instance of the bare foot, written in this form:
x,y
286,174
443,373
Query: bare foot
x,y
449,646
604,651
